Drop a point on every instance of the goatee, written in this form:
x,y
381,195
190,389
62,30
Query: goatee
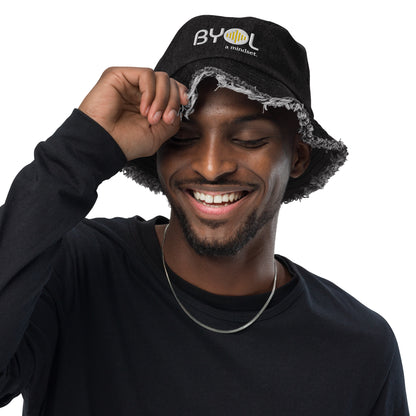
x,y
231,247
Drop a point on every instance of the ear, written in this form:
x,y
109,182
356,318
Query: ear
x,y
301,158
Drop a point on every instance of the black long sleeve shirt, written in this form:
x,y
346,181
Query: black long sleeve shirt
x,y
88,325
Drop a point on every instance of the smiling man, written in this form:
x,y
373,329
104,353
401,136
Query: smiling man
x,y
225,173
195,315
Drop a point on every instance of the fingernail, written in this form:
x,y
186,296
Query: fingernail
x,y
172,116
156,116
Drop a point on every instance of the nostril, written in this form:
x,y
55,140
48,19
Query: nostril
x,y
213,169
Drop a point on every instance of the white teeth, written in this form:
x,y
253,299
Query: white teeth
x,y
217,199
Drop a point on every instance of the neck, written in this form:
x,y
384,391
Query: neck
x,y
248,272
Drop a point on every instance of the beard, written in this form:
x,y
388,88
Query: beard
x,y
246,231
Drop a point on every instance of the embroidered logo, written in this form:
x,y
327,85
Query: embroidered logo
x,y
234,36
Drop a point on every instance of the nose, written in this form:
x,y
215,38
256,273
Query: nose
x,y
214,158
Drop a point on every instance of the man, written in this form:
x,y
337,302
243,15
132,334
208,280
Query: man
x,y
196,315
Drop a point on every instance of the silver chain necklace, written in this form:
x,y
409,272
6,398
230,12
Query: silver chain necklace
x,y
210,328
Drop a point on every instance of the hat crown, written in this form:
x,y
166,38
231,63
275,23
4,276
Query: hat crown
x,y
247,44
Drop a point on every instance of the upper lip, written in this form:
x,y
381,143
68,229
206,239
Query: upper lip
x,y
218,189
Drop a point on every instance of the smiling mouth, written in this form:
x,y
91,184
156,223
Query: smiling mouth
x,y
218,200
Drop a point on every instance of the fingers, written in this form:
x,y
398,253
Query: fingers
x,y
163,93
172,107
161,97
125,90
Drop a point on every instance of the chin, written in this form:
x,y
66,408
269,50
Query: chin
x,y
212,247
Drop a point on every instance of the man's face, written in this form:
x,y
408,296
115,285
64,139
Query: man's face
x,y
225,171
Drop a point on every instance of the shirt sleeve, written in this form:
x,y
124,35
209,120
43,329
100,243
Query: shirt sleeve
x,y
392,400
46,200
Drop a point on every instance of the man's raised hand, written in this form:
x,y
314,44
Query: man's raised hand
x,y
137,106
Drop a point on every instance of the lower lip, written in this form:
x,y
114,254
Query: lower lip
x,y
215,211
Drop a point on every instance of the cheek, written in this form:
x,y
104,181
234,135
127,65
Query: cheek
x,y
272,166
277,174
167,164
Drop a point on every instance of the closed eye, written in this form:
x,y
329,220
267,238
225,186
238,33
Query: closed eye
x,y
251,144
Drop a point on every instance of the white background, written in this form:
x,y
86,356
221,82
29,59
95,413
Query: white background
x,y
358,232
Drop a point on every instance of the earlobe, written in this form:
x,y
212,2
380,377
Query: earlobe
x,y
301,158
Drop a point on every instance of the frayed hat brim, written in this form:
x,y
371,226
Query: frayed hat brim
x,y
327,154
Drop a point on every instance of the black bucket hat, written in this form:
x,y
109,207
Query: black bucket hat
x,y
261,60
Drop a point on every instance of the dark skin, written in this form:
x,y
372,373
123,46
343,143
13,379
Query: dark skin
x,y
229,139
229,146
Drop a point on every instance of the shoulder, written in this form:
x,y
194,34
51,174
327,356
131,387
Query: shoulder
x,y
118,232
351,339
115,238
95,234
93,243
340,316
98,252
